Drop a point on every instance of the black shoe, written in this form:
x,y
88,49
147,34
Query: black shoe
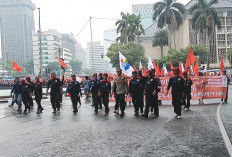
x,y
116,111
96,111
58,109
141,110
145,116
122,114
100,107
151,109
136,114
156,115
25,111
92,105
41,110
19,109
54,111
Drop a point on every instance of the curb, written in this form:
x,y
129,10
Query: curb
x,y
223,131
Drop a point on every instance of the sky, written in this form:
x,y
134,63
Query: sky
x,y
70,16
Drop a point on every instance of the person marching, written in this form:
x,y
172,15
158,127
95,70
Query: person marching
x,y
151,84
27,94
120,88
74,89
177,84
100,78
56,86
136,92
187,89
38,94
30,84
228,83
94,88
17,89
105,89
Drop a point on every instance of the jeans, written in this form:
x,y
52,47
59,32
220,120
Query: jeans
x,y
18,99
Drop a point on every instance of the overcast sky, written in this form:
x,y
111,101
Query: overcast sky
x,y
68,16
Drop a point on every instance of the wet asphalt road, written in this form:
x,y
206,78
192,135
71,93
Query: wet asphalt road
x,y
88,134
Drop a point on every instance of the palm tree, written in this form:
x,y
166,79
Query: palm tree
x,y
204,19
169,13
160,39
129,28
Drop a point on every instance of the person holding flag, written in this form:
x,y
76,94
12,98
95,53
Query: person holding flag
x,y
74,90
56,88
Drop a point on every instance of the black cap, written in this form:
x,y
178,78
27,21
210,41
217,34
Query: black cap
x,y
17,77
94,74
73,75
134,72
100,74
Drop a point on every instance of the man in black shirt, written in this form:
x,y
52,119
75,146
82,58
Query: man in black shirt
x,y
74,90
56,86
136,92
105,89
100,78
27,94
187,89
38,93
177,84
151,84
17,89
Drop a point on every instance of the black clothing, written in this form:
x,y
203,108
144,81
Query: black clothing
x,y
187,89
26,95
94,88
17,88
105,88
177,84
38,94
120,99
55,85
74,89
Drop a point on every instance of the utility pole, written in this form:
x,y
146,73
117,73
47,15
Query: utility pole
x,y
40,48
230,42
90,19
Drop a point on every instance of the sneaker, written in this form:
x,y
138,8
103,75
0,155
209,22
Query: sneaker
x,y
54,111
187,109
92,105
136,114
25,111
10,106
156,115
116,111
145,116
122,114
178,117
38,112
141,110
41,110
106,113
19,109
96,111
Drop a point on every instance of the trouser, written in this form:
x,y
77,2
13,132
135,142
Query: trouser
x,y
74,100
30,101
137,102
86,93
38,101
95,100
188,97
152,101
18,99
176,102
55,101
105,100
26,102
225,100
120,102
79,100
99,102
60,98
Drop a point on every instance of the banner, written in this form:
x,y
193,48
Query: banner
x,y
204,87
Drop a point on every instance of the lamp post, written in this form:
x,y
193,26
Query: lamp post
x,y
40,47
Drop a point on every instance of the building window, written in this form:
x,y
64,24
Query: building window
x,y
220,14
229,13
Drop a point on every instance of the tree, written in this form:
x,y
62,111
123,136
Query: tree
x,y
8,67
28,66
133,52
53,66
169,13
205,19
160,39
76,66
129,28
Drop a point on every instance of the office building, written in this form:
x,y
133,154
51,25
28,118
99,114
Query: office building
x,y
17,29
81,55
69,42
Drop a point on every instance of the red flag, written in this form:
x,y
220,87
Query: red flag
x,y
162,71
190,59
158,69
135,68
171,65
144,72
15,66
222,65
196,69
62,63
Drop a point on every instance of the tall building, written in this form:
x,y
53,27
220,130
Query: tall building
x,y
81,55
17,28
146,12
69,42
110,37
51,42
94,59
67,56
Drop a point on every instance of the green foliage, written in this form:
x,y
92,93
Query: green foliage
x,y
168,12
28,66
53,66
76,66
176,56
129,28
8,67
134,53
160,39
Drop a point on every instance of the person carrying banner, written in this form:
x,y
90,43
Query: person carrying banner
x,y
74,90
17,89
187,89
151,85
120,88
105,89
37,86
177,84
55,85
136,92
228,82
94,89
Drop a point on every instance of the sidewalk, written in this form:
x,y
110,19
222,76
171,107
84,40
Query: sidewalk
x,y
226,114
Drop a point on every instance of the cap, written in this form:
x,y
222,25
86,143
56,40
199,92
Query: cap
x,y
94,74
177,71
100,74
105,74
28,78
134,72
36,77
73,75
149,72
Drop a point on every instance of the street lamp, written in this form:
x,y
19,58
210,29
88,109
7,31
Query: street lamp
x,y
40,48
